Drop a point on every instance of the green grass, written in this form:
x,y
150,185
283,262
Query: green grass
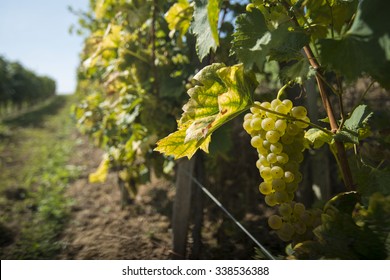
x,y
35,149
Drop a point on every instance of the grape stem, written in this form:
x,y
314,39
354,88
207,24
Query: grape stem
x,y
289,117
341,154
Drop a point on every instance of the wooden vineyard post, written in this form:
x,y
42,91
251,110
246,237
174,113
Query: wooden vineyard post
x,y
182,207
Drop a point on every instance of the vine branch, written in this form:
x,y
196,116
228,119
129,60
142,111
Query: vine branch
x,y
341,153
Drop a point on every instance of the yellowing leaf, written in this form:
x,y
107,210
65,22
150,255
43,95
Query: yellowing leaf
x,y
220,94
179,17
100,175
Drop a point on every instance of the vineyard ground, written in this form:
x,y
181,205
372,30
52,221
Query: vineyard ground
x,y
49,210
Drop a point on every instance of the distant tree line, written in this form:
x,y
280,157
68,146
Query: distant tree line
x,y
19,85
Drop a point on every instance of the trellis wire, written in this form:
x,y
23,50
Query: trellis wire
x,y
216,201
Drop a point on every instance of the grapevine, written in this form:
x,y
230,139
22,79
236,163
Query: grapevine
x,y
134,101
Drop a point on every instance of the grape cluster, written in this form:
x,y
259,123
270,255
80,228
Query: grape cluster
x,y
279,143
294,221
277,132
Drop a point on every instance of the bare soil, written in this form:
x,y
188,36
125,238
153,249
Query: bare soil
x,y
100,229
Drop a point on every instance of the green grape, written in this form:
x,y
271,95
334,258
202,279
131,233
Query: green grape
x,y
277,172
287,139
270,200
266,144
281,125
290,196
272,158
256,142
296,156
265,173
288,177
247,126
300,228
285,210
306,218
263,162
281,108
276,148
288,103
261,150
292,129
275,103
255,110
281,196
302,124
259,164
248,116
268,124
292,166
280,146
299,209
278,184
272,136
265,188
275,222
282,158
286,232
266,105
298,177
291,187
298,112
256,123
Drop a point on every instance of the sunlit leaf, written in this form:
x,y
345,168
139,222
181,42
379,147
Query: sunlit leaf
x,y
205,26
317,137
179,17
253,43
220,94
100,175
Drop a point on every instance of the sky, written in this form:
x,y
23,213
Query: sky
x,y
36,34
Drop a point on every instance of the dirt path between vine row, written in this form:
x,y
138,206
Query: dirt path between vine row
x,y
99,229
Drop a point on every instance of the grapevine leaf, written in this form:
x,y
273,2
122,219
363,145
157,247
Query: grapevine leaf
x,y
356,127
344,202
331,13
100,175
297,72
250,28
253,43
370,180
205,26
179,17
220,94
317,137
175,145
347,136
365,48
359,118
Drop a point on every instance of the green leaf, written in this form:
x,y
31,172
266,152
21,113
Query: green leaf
x,y
205,26
334,14
179,17
317,137
347,136
356,127
220,94
253,43
359,118
344,202
298,71
251,28
365,48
